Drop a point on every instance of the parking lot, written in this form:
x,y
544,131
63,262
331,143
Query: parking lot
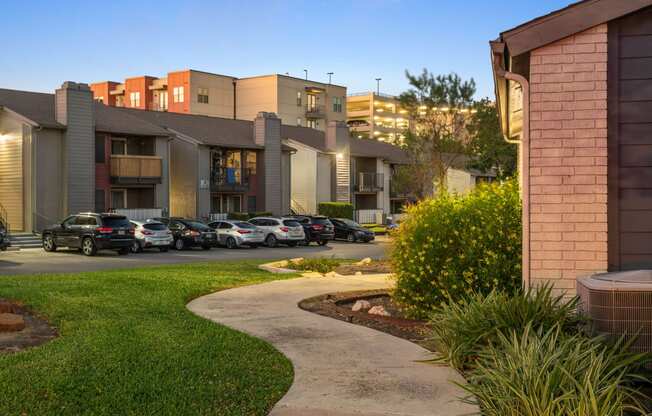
x,y
31,261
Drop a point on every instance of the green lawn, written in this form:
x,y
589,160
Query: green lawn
x,y
128,346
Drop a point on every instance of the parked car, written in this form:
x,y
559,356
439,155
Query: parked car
x,y
316,228
4,237
91,232
190,233
151,234
280,230
234,234
351,231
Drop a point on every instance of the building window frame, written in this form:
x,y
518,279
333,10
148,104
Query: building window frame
x,y
299,99
178,94
122,141
163,100
134,99
115,192
202,95
337,104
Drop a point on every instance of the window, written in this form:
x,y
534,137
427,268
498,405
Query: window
x,y
202,95
118,147
69,221
225,226
118,198
163,100
177,94
99,100
119,101
299,121
313,124
99,148
134,99
337,104
99,200
250,162
298,98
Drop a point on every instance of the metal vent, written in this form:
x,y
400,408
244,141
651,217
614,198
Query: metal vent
x,y
620,304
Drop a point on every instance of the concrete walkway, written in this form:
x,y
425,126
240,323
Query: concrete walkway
x,y
340,369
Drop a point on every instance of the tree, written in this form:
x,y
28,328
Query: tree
x,y
438,107
488,148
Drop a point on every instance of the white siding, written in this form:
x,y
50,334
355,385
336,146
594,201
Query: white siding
x,y
11,171
324,175
304,178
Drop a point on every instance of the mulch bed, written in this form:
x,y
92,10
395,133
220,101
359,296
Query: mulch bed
x,y
338,306
37,331
371,268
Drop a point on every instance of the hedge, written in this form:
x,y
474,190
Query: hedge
x,y
245,216
335,209
453,246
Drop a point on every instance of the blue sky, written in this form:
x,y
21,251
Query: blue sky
x,y
47,42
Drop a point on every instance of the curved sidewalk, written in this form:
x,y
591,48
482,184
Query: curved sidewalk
x,y
340,369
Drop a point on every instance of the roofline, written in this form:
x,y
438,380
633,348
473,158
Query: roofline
x,y
297,78
565,22
20,116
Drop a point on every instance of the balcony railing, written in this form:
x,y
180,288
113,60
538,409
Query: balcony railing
x,y
230,179
369,182
127,169
315,111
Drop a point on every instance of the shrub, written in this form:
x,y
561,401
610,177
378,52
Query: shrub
x,y
462,330
545,373
321,265
245,216
452,246
335,209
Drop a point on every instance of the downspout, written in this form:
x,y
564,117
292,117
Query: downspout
x,y
524,151
234,98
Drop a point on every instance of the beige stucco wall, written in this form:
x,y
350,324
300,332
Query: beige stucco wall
x,y
184,183
11,170
254,95
568,159
220,94
48,178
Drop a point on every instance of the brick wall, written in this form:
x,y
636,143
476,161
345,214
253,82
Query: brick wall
x,y
568,158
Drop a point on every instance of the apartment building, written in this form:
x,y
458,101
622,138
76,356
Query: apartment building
x,y
295,101
376,116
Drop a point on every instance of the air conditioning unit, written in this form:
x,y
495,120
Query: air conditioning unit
x,y
618,304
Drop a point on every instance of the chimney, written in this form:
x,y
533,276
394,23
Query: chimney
x,y
74,109
267,133
336,132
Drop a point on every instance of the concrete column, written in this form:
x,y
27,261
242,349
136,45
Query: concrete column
x,y
74,109
267,133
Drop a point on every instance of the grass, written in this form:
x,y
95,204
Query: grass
x,y
129,346
321,265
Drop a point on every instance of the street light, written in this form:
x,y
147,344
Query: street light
x,y
378,85
306,71
330,74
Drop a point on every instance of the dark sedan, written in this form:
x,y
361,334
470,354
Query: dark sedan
x,y
351,231
190,233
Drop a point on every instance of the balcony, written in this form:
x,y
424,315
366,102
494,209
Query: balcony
x,y
315,111
369,182
136,169
230,180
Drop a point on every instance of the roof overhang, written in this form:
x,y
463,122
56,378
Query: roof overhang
x,y
565,22
19,116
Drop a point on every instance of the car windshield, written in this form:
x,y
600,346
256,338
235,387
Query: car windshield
x,y
291,223
244,225
350,223
155,227
116,222
322,221
198,225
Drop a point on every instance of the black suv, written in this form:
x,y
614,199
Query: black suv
x,y
351,231
190,233
318,229
91,232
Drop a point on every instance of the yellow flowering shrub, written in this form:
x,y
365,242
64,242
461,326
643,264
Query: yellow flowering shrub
x,y
452,246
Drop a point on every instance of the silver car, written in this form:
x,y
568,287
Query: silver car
x,y
151,234
286,231
234,234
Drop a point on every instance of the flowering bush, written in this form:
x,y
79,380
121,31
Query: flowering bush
x,y
452,246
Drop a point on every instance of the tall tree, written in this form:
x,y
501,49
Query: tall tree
x,y
488,149
438,107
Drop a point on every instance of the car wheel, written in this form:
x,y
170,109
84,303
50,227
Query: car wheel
x,y
88,247
323,242
351,238
271,241
123,251
179,244
163,249
3,248
231,243
135,247
48,243
292,243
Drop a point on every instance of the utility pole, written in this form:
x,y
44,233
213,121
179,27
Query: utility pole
x,y
306,71
330,74
378,85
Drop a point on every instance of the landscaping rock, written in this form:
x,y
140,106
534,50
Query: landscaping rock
x,y
296,260
330,274
312,274
366,260
358,273
378,310
361,305
10,322
6,307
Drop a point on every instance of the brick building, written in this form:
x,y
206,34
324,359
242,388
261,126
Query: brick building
x,y
574,88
